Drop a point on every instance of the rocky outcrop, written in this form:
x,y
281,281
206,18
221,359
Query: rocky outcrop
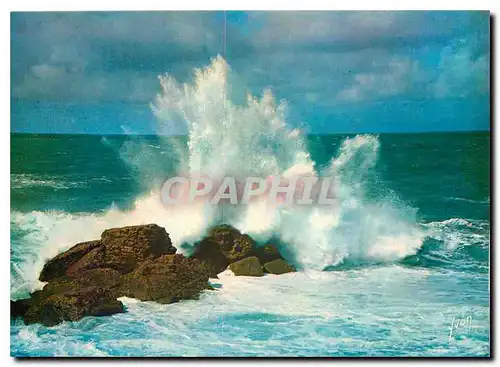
x,y
249,266
167,279
72,306
126,247
139,262
208,252
58,266
92,260
223,245
234,245
278,266
103,277
122,249
267,253
91,293
19,308
86,280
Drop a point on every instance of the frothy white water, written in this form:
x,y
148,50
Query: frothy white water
x,y
46,234
225,138
253,139
21,181
383,311
355,226
456,232
246,139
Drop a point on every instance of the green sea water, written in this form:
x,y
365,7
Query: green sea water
x,y
67,188
442,174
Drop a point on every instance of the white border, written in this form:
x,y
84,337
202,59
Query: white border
x,y
51,5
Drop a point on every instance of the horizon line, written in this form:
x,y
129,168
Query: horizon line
x,y
306,134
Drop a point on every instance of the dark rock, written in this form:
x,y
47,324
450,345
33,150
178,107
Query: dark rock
x,y
249,266
19,308
223,245
136,261
92,293
92,260
267,253
278,266
46,314
167,279
72,306
243,246
121,249
58,266
105,309
233,245
105,278
208,251
127,247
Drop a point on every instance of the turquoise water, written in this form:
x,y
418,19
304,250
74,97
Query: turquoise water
x,y
425,201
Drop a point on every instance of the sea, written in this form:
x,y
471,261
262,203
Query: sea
x,y
399,266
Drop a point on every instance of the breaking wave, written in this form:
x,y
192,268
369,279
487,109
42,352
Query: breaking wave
x,y
251,138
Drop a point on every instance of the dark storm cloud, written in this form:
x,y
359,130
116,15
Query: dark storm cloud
x,y
361,29
91,55
330,56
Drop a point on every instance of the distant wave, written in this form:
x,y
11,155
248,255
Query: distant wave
x,y
484,201
24,180
456,232
21,181
311,313
360,227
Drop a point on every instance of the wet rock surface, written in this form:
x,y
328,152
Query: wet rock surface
x,y
127,247
278,266
140,262
72,306
58,266
249,266
88,279
208,251
167,279
268,253
222,246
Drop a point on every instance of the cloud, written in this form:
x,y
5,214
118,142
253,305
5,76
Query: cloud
x,y
360,29
44,71
397,76
318,58
463,72
330,27
86,56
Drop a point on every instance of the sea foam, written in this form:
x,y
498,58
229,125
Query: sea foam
x,y
252,138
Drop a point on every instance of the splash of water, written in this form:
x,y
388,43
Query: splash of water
x,y
247,139
225,138
253,139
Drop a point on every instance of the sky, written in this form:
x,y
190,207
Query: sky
x,y
97,72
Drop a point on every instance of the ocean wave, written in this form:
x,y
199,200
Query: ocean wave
x,y
309,313
484,201
357,227
315,236
456,232
456,243
367,223
22,181
38,236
